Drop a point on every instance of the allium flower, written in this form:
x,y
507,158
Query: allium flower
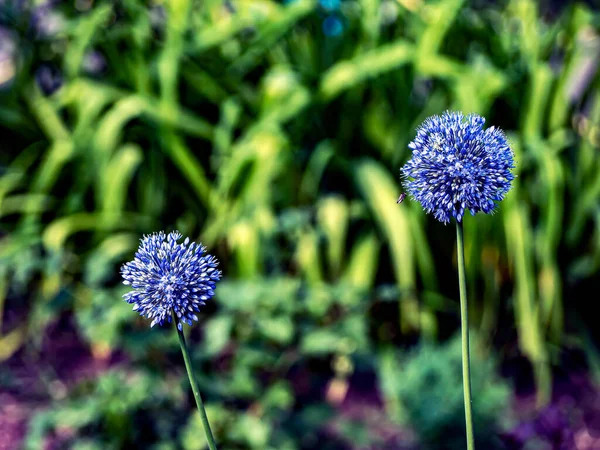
x,y
167,276
333,26
457,165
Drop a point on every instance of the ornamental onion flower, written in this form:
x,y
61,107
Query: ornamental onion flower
x,y
457,165
170,277
173,280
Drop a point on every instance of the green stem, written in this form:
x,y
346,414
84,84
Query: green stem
x,y
464,319
188,366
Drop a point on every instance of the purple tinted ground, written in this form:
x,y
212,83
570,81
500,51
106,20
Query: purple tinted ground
x,y
570,422
37,379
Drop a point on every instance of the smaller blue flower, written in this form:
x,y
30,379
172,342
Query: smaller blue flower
x,y
330,5
332,26
457,165
167,276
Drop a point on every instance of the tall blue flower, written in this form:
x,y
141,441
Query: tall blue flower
x,y
457,165
167,276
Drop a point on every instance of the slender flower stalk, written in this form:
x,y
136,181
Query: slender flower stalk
x,y
172,281
457,165
194,384
464,320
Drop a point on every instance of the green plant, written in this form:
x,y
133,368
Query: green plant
x,y
421,391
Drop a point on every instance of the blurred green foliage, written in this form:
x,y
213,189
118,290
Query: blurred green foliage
x,y
111,410
245,126
422,392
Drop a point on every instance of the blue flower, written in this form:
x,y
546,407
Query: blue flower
x,y
167,276
332,26
457,165
330,5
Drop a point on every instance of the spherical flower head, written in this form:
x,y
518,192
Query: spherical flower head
x,y
167,276
457,165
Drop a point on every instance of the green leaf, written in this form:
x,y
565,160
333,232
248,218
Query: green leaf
x,y
217,333
279,329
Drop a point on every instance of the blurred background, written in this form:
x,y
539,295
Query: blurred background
x,y
273,132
